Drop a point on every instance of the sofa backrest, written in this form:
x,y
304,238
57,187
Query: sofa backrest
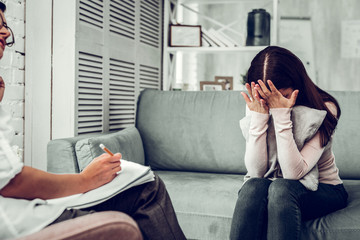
x,y
199,131
346,143
192,131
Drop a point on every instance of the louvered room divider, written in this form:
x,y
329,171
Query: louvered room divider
x,y
118,54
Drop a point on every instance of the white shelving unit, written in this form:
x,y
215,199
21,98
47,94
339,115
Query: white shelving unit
x,y
171,8
173,50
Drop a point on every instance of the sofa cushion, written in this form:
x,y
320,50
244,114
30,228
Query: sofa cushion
x,y
207,199
342,224
127,142
192,131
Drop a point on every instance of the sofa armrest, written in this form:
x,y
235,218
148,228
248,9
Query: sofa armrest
x,y
101,225
61,155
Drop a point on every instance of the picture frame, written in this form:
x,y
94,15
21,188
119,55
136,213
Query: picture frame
x,y
185,36
212,86
227,80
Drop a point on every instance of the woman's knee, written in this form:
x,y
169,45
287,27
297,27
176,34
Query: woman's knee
x,y
255,186
282,189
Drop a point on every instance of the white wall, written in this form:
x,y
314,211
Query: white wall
x,y
38,77
12,70
333,72
64,68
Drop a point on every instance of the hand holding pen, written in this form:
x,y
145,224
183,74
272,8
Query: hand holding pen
x,y
102,169
105,149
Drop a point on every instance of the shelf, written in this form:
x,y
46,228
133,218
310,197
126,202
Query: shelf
x,y
172,14
219,1
215,49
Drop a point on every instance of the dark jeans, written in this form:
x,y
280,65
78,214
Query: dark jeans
x,y
268,209
148,204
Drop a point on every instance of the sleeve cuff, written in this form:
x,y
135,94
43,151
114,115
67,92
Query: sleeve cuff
x,y
258,121
282,117
259,118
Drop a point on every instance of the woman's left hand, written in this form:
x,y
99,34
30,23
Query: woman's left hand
x,y
273,97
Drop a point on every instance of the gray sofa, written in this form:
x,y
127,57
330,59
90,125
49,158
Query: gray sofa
x,y
193,142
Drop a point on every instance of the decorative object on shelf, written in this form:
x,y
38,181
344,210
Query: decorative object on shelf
x,y
217,36
214,38
177,87
227,80
185,36
258,28
243,78
212,86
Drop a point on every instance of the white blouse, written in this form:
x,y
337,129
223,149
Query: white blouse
x,y
19,217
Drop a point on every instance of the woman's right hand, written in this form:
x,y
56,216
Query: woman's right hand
x,y
254,102
101,170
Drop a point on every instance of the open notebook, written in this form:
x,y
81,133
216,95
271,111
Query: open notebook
x,y
131,174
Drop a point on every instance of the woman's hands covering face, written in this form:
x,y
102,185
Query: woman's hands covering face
x,y
254,102
261,98
275,98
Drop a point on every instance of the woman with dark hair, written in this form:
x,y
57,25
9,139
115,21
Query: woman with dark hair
x,y
24,190
274,207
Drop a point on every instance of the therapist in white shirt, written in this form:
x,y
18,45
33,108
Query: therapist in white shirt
x,y
24,190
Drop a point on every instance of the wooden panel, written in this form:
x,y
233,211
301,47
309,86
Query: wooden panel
x,y
122,97
150,23
149,77
119,54
91,12
122,18
90,94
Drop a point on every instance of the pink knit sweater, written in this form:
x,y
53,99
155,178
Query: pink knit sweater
x,y
294,164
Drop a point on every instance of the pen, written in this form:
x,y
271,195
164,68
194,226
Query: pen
x,y
106,149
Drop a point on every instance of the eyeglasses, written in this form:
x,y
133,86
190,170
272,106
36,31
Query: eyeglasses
x,y
10,40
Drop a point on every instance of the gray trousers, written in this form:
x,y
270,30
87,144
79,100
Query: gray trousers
x,y
148,204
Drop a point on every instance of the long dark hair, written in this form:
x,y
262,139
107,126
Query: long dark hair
x,y
286,70
2,6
